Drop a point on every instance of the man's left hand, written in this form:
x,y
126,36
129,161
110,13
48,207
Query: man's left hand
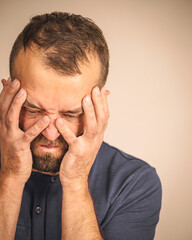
x,y
78,160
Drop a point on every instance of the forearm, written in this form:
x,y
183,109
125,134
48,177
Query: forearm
x,y
78,216
10,201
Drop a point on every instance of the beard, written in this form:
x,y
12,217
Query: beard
x,y
46,161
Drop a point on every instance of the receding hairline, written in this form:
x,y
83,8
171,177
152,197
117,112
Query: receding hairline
x,y
39,53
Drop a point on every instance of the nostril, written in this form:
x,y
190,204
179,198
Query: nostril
x,y
51,133
50,137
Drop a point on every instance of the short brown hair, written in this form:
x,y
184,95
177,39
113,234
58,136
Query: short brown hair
x,y
65,40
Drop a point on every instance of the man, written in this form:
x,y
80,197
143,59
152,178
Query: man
x,y
58,179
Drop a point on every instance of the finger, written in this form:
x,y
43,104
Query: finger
x,y
3,81
65,131
98,106
7,95
36,129
6,82
90,121
12,118
105,94
99,102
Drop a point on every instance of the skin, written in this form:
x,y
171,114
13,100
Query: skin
x,y
54,98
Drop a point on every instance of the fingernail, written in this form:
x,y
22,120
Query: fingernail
x,y
45,119
21,93
88,100
15,83
97,91
60,121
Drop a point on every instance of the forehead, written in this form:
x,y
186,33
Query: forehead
x,y
51,90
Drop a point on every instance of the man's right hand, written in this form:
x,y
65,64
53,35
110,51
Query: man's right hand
x,y
16,157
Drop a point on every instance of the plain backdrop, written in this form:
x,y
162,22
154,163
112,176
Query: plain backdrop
x,y
150,83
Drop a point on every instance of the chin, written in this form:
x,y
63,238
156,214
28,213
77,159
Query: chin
x,y
47,163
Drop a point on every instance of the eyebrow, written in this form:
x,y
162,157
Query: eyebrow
x,y
32,105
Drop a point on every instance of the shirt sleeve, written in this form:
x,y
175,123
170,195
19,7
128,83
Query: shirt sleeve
x,y
136,209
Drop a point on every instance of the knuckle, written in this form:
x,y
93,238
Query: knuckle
x,y
38,125
29,134
16,101
9,120
11,90
33,131
92,117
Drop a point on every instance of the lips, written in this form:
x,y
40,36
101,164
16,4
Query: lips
x,y
48,146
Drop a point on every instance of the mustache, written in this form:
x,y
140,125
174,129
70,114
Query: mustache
x,y
42,140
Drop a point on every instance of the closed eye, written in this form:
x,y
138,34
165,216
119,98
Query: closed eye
x,y
31,111
73,117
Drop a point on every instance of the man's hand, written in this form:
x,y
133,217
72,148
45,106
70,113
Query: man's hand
x,y
78,215
77,162
16,157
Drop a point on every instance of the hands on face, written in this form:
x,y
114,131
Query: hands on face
x,y
16,158
77,162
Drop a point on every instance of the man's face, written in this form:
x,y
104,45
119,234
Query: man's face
x,y
55,96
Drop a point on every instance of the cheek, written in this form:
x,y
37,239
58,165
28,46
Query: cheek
x,y
76,128
25,123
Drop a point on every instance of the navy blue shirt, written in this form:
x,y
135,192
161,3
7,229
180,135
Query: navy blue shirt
x,y
126,193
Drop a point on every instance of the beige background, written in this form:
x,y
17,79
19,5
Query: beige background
x,y
150,81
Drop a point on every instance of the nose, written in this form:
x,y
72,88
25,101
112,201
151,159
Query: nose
x,y
51,132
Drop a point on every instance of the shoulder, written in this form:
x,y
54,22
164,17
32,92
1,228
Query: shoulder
x,y
123,183
118,164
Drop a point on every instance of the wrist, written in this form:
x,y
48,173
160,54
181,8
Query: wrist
x,y
76,190
10,181
76,184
